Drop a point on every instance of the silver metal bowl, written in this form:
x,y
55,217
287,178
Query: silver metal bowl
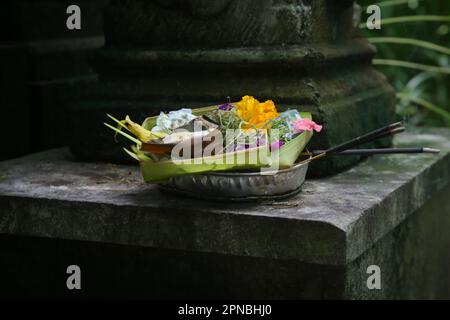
x,y
240,186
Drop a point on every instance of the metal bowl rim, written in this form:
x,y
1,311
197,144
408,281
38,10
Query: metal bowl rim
x,y
273,172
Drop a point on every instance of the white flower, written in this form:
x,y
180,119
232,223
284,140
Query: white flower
x,y
174,119
290,116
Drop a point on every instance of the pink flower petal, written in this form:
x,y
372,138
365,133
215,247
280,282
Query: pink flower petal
x,y
306,125
317,127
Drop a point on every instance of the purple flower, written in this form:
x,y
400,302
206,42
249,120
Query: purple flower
x,y
240,147
276,145
225,107
261,141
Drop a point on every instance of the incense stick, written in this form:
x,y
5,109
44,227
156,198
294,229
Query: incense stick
x,y
377,151
368,137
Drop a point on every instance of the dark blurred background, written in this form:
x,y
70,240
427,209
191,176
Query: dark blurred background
x,y
43,65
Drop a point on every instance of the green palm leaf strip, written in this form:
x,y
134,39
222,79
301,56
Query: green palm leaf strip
x,y
411,65
415,18
120,124
390,3
126,135
410,41
426,104
140,155
131,154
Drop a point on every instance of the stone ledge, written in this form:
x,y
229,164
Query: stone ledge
x,y
332,221
291,57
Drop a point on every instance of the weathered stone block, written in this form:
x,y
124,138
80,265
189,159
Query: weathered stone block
x,y
317,244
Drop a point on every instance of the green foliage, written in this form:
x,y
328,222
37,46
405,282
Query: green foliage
x,y
413,52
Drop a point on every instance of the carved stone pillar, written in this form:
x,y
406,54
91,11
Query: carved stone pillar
x,y
306,54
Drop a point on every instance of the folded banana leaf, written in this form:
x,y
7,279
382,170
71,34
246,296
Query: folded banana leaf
x,y
249,159
289,153
240,160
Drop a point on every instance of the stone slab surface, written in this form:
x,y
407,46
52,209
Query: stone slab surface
x,y
332,221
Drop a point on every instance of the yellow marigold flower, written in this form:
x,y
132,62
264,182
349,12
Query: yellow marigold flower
x,y
254,113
